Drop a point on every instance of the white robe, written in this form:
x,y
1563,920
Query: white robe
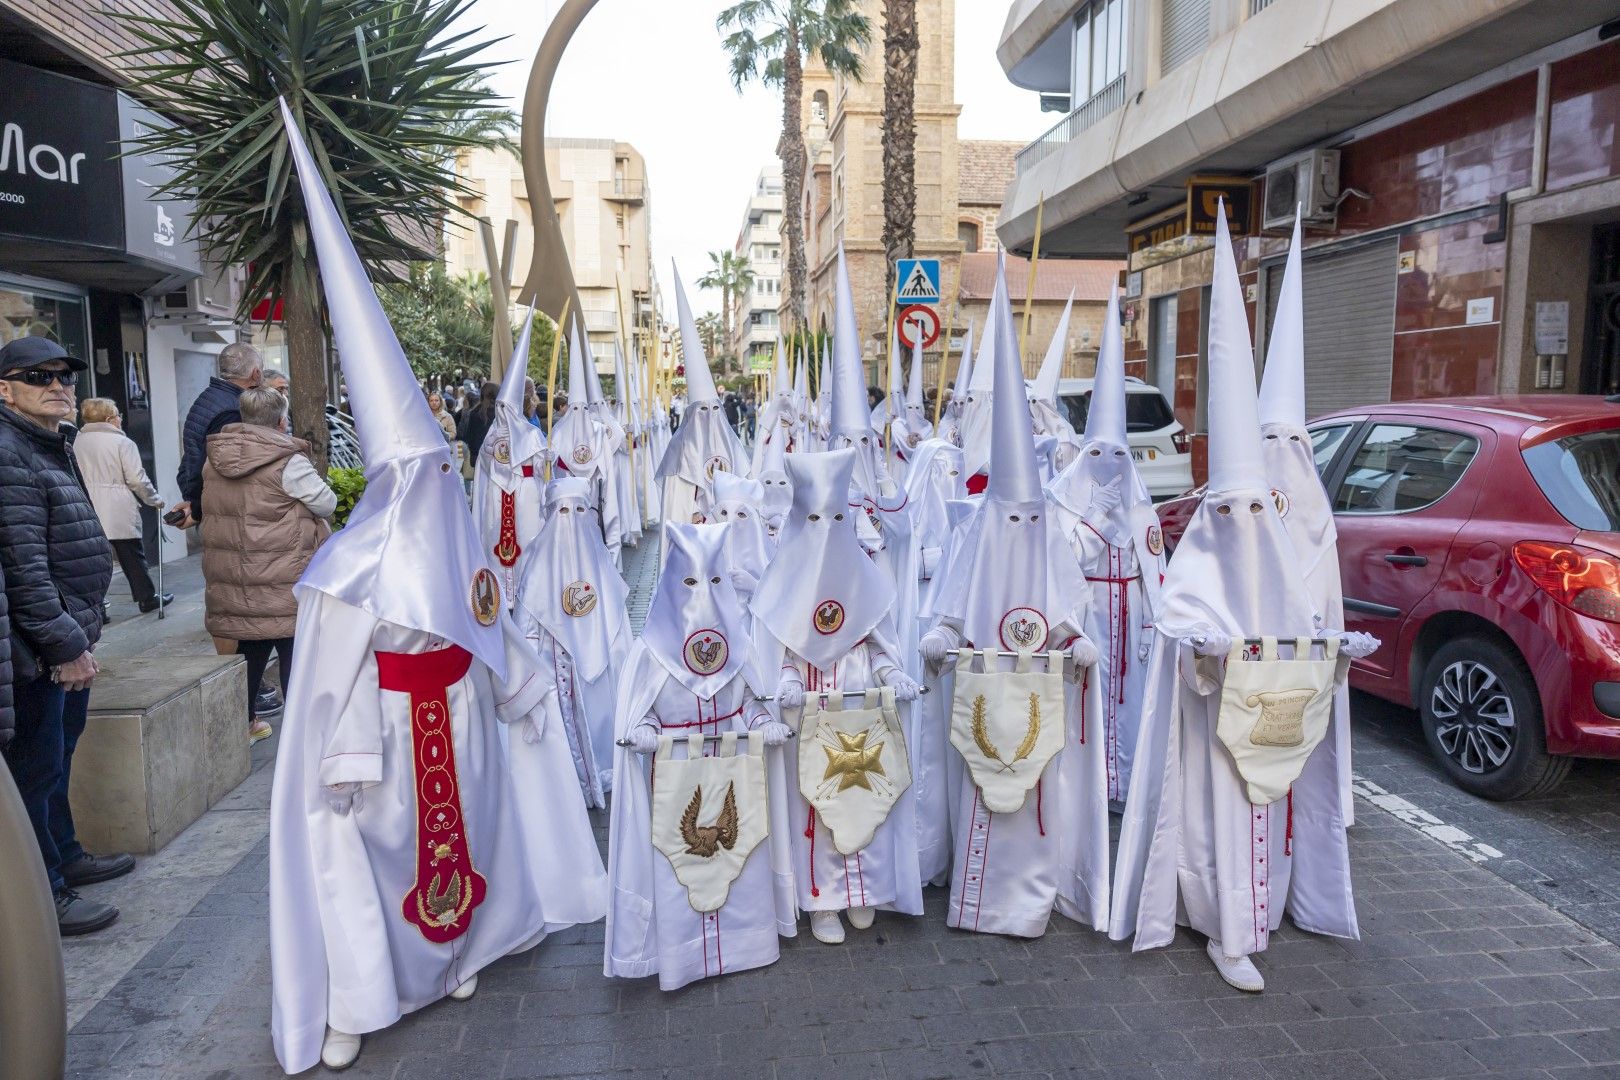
x,y
651,925
1193,848
1010,871
582,709
884,874
341,952
528,497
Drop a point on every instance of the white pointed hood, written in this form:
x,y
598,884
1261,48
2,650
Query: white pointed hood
x,y
849,414
1105,452
1046,381
513,442
822,594
913,425
976,411
1282,384
964,371
704,444
567,582
574,436
1235,568
1015,476
410,553
695,620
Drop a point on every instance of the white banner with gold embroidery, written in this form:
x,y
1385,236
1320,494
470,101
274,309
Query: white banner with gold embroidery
x,y
709,813
853,765
1007,725
1274,712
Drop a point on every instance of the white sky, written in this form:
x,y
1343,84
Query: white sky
x,y
652,73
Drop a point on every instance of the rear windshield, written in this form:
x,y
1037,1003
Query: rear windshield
x,y
1580,476
1143,412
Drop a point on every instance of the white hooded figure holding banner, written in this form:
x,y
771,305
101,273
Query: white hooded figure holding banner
x,y
704,444
1235,814
571,604
824,619
1105,512
1029,812
510,473
583,446
408,847
698,850
1296,486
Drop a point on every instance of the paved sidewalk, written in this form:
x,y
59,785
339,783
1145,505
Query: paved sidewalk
x,y
1458,974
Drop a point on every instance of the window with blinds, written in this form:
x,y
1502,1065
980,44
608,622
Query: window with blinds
x,y
1183,32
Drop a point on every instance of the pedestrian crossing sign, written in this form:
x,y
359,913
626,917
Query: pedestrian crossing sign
x,y
919,281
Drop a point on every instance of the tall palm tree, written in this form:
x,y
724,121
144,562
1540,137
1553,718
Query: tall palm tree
x,y
733,275
900,48
386,91
769,40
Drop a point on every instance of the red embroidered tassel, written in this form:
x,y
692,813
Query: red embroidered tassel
x,y
810,833
1039,822
1288,834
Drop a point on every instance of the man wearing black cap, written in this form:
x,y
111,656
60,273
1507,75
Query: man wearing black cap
x,y
56,564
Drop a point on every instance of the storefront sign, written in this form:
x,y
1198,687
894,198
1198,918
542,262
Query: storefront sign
x,y
62,180
1204,195
58,176
1189,226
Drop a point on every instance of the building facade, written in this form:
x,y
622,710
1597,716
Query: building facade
x,y
1456,165
754,318
604,204
87,255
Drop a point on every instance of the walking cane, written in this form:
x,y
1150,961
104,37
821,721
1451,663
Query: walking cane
x,y
162,607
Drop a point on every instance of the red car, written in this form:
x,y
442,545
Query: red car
x,y
1479,538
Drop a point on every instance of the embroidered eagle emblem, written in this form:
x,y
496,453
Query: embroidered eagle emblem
x,y
706,652
485,597
705,841
829,617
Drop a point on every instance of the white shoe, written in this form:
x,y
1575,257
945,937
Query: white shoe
x,y
861,917
1238,971
465,990
827,927
339,1049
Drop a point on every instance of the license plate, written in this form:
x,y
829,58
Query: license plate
x,y
1144,455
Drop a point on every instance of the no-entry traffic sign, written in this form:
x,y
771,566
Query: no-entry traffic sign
x,y
918,320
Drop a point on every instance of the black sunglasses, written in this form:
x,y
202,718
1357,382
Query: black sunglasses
x,y
43,377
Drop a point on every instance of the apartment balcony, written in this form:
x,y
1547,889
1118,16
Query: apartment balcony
x,y
1291,74
626,190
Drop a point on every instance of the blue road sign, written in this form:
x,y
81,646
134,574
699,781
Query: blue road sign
x,y
919,281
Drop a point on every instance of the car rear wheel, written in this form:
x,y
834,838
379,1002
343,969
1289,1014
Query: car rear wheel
x,y
1482,719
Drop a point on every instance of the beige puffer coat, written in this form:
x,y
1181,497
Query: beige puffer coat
x,y
257,539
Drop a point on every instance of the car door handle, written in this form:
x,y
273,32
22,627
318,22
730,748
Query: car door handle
x,y
1407,560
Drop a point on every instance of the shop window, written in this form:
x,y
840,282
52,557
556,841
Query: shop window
x,y
30,310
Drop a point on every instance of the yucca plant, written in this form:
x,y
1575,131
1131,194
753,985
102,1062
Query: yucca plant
x,y
386,93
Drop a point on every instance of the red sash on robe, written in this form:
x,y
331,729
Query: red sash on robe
x,y
447,887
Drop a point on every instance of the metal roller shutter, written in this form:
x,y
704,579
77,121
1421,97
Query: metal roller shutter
x,y
1184,32
1349,325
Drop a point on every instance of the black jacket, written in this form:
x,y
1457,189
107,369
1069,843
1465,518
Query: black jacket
x,y
55,559
8,718
219,404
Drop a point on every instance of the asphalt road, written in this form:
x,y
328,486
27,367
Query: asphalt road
x,y
1563,848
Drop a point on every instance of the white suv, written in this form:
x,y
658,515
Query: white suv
x,y
1158,443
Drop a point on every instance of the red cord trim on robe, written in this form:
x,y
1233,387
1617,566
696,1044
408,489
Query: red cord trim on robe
x,y
1040,823
447,887
810,832
1288,833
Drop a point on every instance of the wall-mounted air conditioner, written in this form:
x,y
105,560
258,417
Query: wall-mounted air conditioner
x,y
1308,181
213,297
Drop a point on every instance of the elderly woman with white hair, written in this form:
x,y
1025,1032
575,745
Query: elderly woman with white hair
x,y
118,486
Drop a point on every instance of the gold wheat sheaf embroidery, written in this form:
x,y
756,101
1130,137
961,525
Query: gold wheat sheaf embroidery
x,y
981,733
1282,717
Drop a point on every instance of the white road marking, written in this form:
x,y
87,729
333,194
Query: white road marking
x,y
1425,822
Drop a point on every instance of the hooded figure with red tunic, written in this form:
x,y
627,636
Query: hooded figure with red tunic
x,y
413,840
510,473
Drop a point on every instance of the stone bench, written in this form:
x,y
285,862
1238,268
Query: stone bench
x,y
166,740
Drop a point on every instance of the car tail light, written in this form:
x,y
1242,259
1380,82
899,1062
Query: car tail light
x,y
1580,578
1182,441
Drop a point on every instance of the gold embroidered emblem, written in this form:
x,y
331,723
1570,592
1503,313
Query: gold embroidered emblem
x,y
443,908
578,599
1280,501
706,652
705,841
1282,717
981,733
853,763
1023,629
486,597
829,616
503,451
716,464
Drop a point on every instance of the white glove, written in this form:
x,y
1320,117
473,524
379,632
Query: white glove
x,y
743,581
531,731
904,686
1144,650
1106,498
1083,652
1358,645
644,739
776,733
930,562
344,797
1214,642
934,645
790,694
